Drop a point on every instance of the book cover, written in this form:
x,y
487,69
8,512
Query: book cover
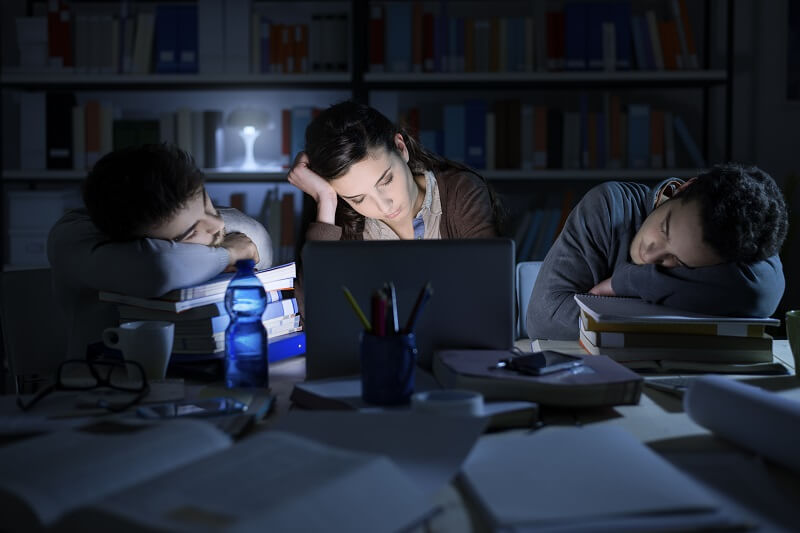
x,y
704,355
475,134
576,25
218,284
58,129
454,132
300,118
599,382
186,57
621,17
398,49
210,24
623,311
688,142
638,136
633,339
166,39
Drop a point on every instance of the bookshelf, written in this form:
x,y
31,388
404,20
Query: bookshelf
x,y
395,92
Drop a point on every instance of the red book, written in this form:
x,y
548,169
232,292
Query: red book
x,y
286,135
377,57
59,32
416,37
275,40
428,62
469,45
540,137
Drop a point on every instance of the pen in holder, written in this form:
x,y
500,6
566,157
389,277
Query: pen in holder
x,y
387,367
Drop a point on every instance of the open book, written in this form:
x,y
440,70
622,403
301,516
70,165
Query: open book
x,y
187,475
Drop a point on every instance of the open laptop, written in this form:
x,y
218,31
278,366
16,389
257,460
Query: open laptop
x,y
472,304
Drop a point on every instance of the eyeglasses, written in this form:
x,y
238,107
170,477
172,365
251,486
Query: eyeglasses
x,y
82,375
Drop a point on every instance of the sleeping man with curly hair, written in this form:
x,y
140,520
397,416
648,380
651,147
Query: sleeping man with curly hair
x,y
708,245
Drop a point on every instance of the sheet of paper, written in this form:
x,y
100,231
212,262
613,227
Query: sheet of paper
x,y
577,476
271,481
428,448
56,472
765,422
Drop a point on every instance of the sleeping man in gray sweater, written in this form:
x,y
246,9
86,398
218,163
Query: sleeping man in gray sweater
x,y
709,245
148,227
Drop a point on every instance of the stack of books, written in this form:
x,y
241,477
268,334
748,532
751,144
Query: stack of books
x,y
643,335
201,319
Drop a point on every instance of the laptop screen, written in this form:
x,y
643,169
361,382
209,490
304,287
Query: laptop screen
x,y
472,305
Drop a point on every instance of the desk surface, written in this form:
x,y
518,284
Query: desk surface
x,y
658,420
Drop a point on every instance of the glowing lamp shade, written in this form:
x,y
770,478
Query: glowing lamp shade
x,y
248,123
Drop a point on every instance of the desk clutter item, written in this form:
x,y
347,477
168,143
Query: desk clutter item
x,y
765,422
170,475
388,355
201,319
345,394
594,478
631,330
246,363
600,381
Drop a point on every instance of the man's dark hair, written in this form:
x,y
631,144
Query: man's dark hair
x,y
742,211
133,189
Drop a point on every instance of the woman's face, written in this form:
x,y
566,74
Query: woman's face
x,y
380,186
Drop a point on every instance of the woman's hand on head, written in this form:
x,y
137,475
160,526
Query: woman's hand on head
x,y
307,180
315,186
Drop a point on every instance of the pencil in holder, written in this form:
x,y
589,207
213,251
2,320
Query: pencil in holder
x,y
388,365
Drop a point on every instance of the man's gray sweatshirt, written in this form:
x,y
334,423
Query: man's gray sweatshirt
x,y
593,246
84,262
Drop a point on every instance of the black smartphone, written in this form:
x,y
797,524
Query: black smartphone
x,y
538,363
199,408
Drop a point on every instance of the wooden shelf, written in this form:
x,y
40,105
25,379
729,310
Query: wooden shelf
x,y
223,176
212,176
170,81
599,174
547,80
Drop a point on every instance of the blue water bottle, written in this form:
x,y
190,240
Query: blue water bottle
x,y
246,338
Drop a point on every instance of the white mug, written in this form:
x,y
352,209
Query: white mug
x,y
147,342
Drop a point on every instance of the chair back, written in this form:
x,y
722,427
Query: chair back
x,y
525,278
34,334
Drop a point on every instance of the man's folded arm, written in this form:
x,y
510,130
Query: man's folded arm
x,y
142,267
574,264
733,289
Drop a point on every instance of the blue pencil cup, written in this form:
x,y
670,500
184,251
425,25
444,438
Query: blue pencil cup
x,y
387,368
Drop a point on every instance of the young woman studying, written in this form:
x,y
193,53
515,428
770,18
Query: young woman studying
x,y
373,181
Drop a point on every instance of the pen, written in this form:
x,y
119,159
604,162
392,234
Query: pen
x,y
379,313
422,299
356,308
393,310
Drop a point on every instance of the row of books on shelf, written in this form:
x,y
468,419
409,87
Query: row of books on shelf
x,y
76,135
200,317
509,134
651,337
425,37
207,36
504,134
